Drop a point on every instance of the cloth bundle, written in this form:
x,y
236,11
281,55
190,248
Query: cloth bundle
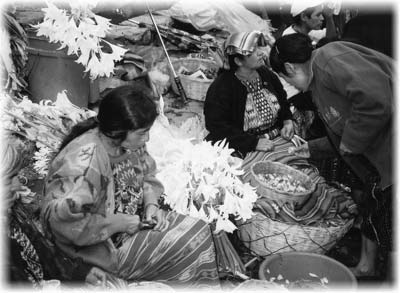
x,y
327,205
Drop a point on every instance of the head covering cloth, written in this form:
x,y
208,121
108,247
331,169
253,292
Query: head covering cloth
x,y
243,43
299,6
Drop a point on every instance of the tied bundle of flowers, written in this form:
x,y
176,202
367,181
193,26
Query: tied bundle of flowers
x,y
200,180
82,32
45,123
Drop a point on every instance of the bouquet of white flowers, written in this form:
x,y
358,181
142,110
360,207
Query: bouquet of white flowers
x,y
83,33
203,181
200,179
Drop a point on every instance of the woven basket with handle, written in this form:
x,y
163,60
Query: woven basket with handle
x,y
195,88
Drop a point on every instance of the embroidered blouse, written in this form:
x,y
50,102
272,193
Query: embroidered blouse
x,y
262,107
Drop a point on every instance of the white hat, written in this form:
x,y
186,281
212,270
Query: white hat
x,y
298,6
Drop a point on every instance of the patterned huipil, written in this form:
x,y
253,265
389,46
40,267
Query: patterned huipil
x,y
261,112
128,186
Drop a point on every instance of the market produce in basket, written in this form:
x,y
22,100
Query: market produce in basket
x,y
202,72
281,182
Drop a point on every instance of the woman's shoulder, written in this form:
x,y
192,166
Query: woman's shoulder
x,y
224,82
87,145
224,76
83,153
89,137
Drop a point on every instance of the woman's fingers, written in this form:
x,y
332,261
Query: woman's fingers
x,y
162,222
287,132
302,151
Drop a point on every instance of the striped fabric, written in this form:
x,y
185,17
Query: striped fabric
x,y
325,203
280,154
183,256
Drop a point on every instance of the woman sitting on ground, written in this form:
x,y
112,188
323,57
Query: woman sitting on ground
x,y
247,106
102,201
31,259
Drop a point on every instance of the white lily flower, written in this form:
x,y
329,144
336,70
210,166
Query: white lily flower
x,y
209,173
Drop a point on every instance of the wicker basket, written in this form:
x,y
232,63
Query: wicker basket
x,y
264,236
278,196
195,88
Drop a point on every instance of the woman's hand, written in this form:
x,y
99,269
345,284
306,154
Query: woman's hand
x,y
265,145
155,215
301,151
133,224
96,277
287,130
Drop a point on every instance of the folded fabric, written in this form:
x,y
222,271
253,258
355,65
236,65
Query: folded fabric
x,y
326,204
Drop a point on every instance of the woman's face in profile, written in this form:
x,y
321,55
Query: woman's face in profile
x,y
298,76
136,139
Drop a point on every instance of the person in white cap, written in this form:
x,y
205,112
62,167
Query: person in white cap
x,y
308,18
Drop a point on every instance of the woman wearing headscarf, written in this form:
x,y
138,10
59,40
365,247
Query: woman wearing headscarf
x,y
247,106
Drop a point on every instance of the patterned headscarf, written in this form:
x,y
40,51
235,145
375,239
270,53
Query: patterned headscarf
x,y
239,43
244,43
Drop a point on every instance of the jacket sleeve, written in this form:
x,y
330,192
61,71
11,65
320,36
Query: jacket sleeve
x,y
219,117
75,199
321,148
370,92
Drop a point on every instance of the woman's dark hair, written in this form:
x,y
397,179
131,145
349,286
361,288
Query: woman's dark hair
x,y
231,59
293,48
123,109
232,64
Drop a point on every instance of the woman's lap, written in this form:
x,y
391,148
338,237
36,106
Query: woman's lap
x,y
184,254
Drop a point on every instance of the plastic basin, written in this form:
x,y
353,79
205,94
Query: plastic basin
x,y
297,266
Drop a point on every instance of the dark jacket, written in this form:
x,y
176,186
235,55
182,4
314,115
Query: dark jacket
x,y
224,108
352,88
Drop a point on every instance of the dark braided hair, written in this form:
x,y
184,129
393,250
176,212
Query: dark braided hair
x,y
123,109
293,48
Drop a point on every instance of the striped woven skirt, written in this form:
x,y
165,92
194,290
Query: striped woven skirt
x,y
181,256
